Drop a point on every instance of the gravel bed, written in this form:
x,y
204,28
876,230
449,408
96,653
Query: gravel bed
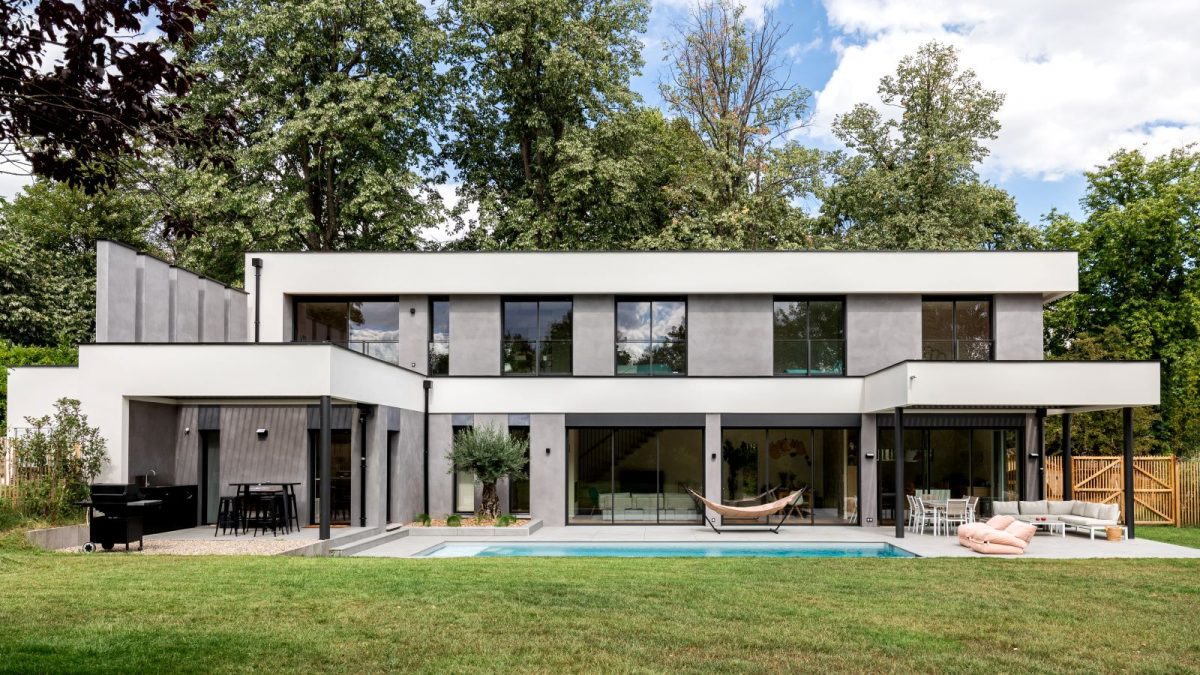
x,y
247,546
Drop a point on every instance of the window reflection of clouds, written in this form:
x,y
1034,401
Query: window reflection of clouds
x,y
669,320
633,321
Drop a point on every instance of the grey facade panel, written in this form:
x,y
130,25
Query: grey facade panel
x,y
593,349
235,317
154,307
868,488
881,330
408,481
518,420
712,461
116,293
414,332
152,428
462,419
1018,327
208,417
281,456
634,419
394,418
187,446
752,420
475,335
212,311
730,335
548,470
377,476
441,481
185,306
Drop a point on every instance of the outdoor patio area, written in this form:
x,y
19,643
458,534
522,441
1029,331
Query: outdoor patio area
x,y
925,545
201,541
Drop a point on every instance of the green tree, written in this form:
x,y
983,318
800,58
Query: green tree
x,y
910,181
48,237
529,76
490,454
332,107
1139,292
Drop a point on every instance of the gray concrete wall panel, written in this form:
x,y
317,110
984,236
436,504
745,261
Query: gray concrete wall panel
x,y
868,505
152,429
730,335
185,306
235,317
594,340
116,293
154,308
212,311
475,335
1018,324
408,481
548,472
881,330
414,332
441,481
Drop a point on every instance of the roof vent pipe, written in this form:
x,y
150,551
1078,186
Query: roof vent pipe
x,y
257,263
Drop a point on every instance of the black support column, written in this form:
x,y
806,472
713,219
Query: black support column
x,y
1127,423
898,444
1067,478
326,467
1040,428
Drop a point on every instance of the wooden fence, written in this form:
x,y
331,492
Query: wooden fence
x,y
1166,490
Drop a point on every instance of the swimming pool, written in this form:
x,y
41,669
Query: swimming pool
x,y
665,550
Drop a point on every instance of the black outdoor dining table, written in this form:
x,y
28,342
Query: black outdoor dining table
x,y
288,489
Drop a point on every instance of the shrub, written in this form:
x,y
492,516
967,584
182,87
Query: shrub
x,y
424,519
453,520
56,462
505,520
490,454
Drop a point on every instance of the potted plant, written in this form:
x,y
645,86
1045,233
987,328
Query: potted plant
x,y
490,454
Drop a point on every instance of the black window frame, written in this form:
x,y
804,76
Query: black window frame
x,y
429,341
537,354
954,340
808,331
297,300
687,329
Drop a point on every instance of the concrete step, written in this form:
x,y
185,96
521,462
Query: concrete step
x,y
391,533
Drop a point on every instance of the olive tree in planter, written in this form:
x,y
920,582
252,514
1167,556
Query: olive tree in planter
x,y
490,454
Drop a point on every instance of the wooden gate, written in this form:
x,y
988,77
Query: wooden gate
x,y
1156,494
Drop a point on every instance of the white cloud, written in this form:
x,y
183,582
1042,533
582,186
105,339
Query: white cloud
x,y
1082,78
442,233
11,184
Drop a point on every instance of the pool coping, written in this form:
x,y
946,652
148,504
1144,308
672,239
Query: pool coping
x,y
425,552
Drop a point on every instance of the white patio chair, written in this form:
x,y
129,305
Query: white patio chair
x,y
955,514
926,515
972,509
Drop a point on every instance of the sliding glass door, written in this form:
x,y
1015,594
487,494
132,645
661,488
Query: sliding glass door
x,y
633,475
761,465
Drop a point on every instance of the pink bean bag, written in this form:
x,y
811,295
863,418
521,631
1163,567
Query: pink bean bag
x,y
967,530
1022,531
993,548
1000,522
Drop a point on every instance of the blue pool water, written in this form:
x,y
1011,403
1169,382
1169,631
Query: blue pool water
x,y
666,550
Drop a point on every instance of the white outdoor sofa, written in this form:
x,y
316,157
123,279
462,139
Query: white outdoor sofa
x,y
1082,516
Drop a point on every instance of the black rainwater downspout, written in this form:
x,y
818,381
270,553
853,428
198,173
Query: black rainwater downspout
x,y
364,412
257,263
425,492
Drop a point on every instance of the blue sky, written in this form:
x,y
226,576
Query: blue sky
x,y
1082,78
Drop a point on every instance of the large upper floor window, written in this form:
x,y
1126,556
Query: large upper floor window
x,y
810,336
439,336
956,329
537,337
652,336
369,326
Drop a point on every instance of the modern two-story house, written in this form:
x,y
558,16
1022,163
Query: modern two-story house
x,y
859,375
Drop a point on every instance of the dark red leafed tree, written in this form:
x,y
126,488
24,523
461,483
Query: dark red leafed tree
x,y
83,82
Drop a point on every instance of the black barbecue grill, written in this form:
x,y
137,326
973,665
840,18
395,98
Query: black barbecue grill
x,y
115,515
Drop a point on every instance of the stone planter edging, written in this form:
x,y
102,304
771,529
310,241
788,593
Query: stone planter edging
x,y
523,531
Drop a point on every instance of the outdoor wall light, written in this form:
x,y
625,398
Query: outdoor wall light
x,y
262,434
870,455
187,430
547,451
714,456
412,311
1034,455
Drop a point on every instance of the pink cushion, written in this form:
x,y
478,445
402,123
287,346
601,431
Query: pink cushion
x,y
966,530
994,548
1023,531
999,537
1000,522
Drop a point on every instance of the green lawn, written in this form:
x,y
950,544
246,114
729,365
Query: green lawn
x,y
1182,536
117,612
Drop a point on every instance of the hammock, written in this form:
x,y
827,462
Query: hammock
x,y
788,503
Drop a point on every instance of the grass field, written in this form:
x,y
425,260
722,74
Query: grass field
x,y
1180,536
116,612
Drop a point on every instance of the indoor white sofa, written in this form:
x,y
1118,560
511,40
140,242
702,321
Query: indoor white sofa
x,y
1079,515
